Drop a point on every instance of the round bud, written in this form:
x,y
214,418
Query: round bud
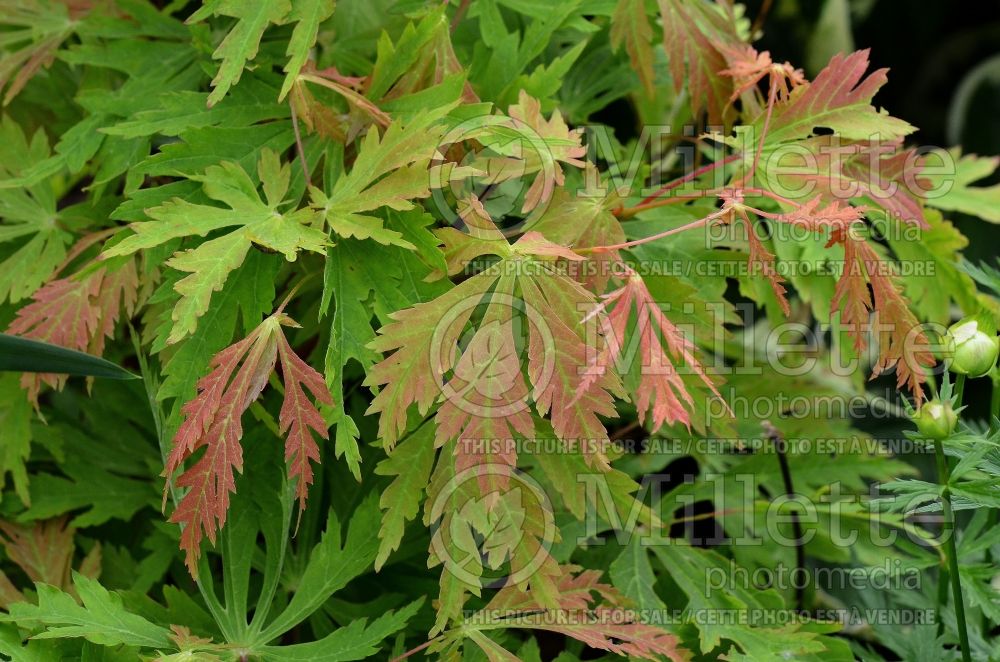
x,y
935,419
972,352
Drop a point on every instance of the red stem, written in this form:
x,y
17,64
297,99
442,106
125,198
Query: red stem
x,y
688,177
772,96
413,651
628,244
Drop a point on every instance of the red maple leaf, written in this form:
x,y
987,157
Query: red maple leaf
x,y
213,421
901,340
601,626
661,393
77,313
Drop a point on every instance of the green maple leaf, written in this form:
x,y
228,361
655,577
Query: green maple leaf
x,y
358,640
241,44
15,421
932,291
391,171
29,216
102,618
958,194
259,222
633,574
689,567
308,15
410,464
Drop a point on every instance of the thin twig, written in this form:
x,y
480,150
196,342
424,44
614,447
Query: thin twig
x,y
459,13
412,651
758,21
778,441
694,174
298,145
629,244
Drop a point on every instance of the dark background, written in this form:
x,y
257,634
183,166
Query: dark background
x,y
929,47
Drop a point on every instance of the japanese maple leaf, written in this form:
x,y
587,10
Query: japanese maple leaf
x,y
762,261
693,35
630,26
661,394
424,340
45,25
815,216
902,343
33,225
810,215
213,421
423,350
486,400
561,145
748,67
44,551
391,170
475,529
77,312
839,98
248,219
557,357
601,626
480,237
882,173
901,340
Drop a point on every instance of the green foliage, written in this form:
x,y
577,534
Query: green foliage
x,y
546,377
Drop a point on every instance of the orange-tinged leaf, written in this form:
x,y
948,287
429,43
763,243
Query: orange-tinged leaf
x,y
44,551
661,395
901,341
762,262
840,98
630,26
423,341
562,145
748,67
601,626
557,356
213,421
884,173
693,35
77,313
486,400
299,417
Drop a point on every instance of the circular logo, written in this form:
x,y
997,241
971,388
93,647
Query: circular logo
x,y
495,536
484,378
502,161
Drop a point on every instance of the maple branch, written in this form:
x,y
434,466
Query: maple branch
x,y
758,21
625,213
772,96
669,186
459,14
291,294
645,240
780,448
414,651
298,144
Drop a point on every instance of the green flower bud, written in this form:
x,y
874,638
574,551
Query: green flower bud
x,y
935,419
972,352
